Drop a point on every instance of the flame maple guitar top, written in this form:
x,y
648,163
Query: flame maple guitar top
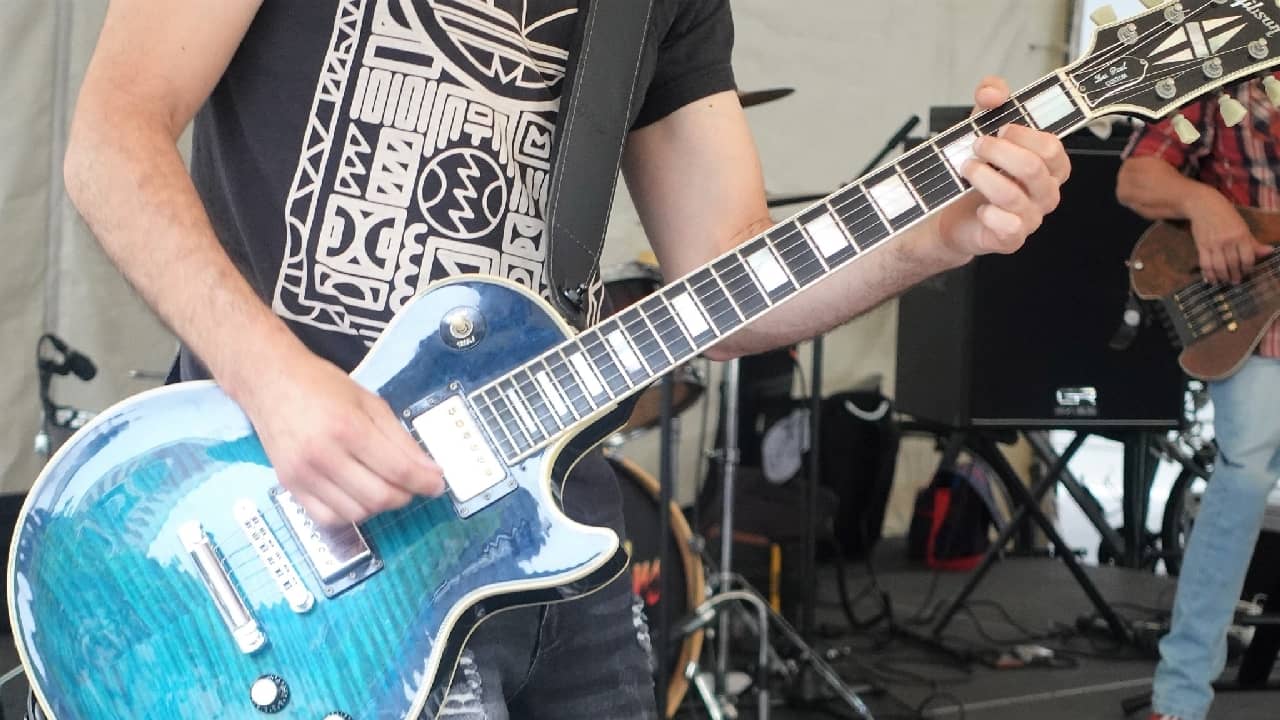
x,y
1219,325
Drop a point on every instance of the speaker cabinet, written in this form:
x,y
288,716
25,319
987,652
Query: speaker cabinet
x,y
1022,341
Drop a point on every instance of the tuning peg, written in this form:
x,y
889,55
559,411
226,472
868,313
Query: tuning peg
x,y
1232,111
1272,86
1187,132
1152,3
1103,15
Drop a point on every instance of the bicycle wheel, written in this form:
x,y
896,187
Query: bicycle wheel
x,y
1179,517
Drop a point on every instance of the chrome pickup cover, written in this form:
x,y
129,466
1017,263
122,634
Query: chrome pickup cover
x,y
451,436
339,555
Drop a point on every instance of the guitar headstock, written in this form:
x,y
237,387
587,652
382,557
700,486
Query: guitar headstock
x,y
1152,64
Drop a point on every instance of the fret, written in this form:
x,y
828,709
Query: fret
x,y
568,383
541,405
524,413
625,352
927,173
559,402
956,147
801,260
713,296
489,417
642,337
767,271
510,416
827,234
598,350
691,313
1022,113
508,438
860,218
587,375
891,196
733,274
990,122
1051,107
668,329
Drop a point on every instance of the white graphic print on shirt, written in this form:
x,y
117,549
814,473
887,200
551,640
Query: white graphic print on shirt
x,y
426,155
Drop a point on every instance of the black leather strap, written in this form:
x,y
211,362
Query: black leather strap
x,y
595,113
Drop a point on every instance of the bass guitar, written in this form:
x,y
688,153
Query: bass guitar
x,y
1217,325
158,570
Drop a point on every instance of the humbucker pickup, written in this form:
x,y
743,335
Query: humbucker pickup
x,y
340,556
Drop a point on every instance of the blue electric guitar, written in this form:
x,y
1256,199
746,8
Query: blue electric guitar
x,y
158,570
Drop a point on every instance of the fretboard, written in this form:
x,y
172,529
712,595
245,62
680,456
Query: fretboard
x,y
539,401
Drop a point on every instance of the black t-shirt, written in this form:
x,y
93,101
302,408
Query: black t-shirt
x,y
356,150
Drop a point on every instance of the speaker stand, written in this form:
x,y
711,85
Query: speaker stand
x,y
1028,509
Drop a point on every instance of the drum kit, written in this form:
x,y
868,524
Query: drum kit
x,y
679,606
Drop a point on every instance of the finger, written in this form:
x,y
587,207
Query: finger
x,y
1025,167
1218,261
318,511
992,92
371,492
1045,145
1206,266
400,460
1004,226
1261,250
1001,191
1244,250
1232,262
329,504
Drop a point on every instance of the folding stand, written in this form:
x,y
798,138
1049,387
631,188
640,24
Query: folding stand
x,y
1028,501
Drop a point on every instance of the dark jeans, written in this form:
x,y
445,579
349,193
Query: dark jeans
x,y
586,658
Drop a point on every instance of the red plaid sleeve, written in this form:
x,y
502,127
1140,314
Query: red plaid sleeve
x,y
1159,140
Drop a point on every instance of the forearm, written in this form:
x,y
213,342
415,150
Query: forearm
x,y
127,179
1156,190
862,285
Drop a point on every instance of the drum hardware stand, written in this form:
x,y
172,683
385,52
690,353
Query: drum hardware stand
x,y
712,610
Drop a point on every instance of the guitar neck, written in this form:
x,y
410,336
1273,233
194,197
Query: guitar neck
x,y
543,399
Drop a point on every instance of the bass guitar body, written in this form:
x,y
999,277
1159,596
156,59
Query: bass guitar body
x,y
158,571
1218,326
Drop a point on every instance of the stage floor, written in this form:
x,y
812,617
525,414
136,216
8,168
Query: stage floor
x,y
1037,593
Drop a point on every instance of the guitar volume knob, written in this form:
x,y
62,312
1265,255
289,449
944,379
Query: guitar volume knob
x,y
269,693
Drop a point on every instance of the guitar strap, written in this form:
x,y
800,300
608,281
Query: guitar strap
x,y
595,114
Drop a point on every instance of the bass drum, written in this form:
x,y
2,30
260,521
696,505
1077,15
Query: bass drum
x,y
686,587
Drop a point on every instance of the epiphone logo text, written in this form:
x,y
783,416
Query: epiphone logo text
x,y
1254,8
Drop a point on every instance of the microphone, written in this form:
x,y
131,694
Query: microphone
x,y
73,362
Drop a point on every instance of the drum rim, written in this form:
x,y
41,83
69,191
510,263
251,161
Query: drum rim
x,y
695,583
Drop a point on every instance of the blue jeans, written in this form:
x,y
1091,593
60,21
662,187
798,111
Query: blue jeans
x,y
1247,428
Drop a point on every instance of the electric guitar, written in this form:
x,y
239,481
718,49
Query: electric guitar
x,y
1217,325
158,571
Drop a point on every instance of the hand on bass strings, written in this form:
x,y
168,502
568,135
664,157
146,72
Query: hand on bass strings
x,y
1227,248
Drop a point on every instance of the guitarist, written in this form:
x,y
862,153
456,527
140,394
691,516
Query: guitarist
x,y
348,152
1202,183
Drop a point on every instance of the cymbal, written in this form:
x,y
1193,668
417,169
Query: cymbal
x,y
781,200
757,97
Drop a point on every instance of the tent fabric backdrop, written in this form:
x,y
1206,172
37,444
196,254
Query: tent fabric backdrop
x,y
859,68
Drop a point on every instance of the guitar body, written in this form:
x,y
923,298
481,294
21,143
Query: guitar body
x,y
111,615
1219,328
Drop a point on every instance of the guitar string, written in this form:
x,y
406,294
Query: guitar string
x,y
1202,288
1204,312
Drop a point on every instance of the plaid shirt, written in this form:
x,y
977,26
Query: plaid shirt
x,y
1243,162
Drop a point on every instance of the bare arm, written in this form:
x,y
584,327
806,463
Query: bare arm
x,y
1156,190
697,184
154,65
